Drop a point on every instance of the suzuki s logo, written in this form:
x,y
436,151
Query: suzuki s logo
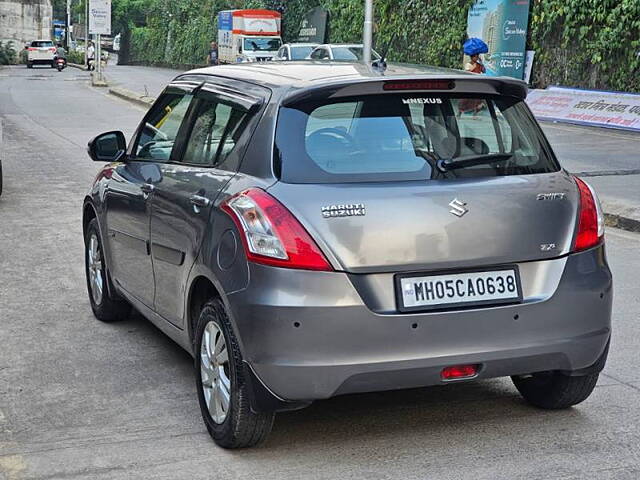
x,y
458,208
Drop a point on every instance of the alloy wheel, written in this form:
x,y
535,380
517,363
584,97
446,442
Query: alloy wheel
x,y
215,372
94,259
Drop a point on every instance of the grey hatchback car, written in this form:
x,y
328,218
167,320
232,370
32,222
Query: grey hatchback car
x,y
311,230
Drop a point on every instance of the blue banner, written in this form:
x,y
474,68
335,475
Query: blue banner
x,y
502,24
225,20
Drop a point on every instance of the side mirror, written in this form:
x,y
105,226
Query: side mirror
x,y
108,147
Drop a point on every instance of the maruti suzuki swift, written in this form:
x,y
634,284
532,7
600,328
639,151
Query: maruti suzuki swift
x,y
307,230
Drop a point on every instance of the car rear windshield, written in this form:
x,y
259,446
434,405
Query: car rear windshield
x,y
41,44
395,137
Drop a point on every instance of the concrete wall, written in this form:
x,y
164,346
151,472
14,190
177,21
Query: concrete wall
x,y
25,20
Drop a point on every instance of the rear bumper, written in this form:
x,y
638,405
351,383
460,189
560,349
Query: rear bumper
x,y
310,335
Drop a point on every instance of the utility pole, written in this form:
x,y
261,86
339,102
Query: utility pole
x,y
86,33
367,37
68,29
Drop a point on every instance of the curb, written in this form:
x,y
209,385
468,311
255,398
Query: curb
x,y
140,100
619,215
98,83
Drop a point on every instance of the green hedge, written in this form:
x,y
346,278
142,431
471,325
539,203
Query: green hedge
x,y
582,43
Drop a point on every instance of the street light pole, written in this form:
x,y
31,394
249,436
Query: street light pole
x,y
367,37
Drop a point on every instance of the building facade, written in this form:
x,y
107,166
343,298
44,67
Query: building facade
x,y
24,20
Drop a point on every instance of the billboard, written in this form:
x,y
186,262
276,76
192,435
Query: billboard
x,y
587,107
314,26
502,25
100,17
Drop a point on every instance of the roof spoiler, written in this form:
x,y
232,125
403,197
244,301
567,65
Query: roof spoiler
x,y
463,83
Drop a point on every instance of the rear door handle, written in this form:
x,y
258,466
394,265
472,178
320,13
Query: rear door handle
x,y
198,202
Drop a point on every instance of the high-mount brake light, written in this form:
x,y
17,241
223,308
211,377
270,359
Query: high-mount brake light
x,y
419,85
590,218
271,235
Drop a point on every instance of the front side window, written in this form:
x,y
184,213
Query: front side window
x,y
261,44
300,53
319,54
160,130
351,54
214,134
397,137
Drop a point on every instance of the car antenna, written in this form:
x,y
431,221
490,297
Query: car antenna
x,y
381,63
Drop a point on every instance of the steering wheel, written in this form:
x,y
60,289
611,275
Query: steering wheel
x,y
328,134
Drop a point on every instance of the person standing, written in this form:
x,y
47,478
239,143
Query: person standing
x,y
91,56
475,65
213,55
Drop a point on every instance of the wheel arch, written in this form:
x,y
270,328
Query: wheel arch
x,y
88,213
201,290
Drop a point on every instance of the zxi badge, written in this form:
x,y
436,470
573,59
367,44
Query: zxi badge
x,y
458,208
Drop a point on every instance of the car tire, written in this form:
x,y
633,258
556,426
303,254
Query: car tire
x,y
53,64
0,178
217,379
105,307
29,64
553,390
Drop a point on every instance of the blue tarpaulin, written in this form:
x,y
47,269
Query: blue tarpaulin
x,y
474,46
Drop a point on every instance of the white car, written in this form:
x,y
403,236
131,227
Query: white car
x,y
41,52
295,51
351,52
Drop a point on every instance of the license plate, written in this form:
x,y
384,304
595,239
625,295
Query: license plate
x,y
459,289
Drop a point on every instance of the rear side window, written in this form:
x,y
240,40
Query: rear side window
x,y
404,137
215,132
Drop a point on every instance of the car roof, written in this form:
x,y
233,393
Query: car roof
x,y
297,44
306,74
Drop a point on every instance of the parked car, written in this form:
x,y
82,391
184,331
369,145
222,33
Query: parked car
x,y
344,52
295,51
309,231
41,52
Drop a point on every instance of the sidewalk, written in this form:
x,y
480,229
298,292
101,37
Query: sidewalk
x,y
608,159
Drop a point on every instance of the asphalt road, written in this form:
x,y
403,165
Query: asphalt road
x,y
84,400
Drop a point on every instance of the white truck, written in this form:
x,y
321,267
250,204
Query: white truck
x,y
248,35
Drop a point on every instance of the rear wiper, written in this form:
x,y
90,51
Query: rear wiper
x,y
471,160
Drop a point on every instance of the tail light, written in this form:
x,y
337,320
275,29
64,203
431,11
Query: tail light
x,y
271,234
32,49
590,218
52,50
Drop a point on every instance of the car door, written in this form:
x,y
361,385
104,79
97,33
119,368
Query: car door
x,y
182,199
129,194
